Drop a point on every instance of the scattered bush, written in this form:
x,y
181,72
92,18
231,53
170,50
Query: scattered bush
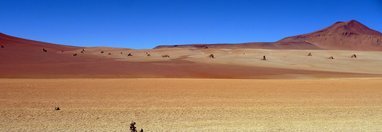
x,y
133,128
264,58
212,56
354,56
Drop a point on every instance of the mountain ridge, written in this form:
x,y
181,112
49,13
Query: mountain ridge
x,y
349,35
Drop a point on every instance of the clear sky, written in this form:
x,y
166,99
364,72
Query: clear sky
x,y
147,23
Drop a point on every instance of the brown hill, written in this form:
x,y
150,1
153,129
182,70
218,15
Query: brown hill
x,y
254,45
19,50
351,35
26,59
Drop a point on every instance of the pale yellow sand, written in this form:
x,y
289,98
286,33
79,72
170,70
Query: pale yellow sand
x,y
191,104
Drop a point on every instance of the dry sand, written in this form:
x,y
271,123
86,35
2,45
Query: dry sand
x,y
191,104
22,58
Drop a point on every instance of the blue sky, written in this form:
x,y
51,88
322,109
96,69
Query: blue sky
x,y
147,23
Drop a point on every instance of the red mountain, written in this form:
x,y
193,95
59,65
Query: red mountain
x,y
351,35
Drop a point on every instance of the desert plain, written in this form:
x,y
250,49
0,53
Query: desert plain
x,y
170,104
329,80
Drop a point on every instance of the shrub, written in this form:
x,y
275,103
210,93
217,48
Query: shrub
x,y
133,128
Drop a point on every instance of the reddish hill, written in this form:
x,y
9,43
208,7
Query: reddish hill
x,y
255,45
22,58
11,41
351,35
18,50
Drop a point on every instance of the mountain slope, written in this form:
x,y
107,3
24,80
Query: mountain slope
x,y
351,35
251,45
22,58
18,50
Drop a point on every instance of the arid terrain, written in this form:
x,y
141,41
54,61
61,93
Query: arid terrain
x,y
354,51
191,104
329,80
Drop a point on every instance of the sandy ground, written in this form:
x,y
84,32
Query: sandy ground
x,y
20,58
191,104
367,62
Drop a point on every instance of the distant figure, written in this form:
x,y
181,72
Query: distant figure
x,y
129,54
212,56
75,54
331,57
102,52
56,108
264,58
310,54
109,54
44,50
148,54
121,53
354,56
165,56
206,47
2,46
